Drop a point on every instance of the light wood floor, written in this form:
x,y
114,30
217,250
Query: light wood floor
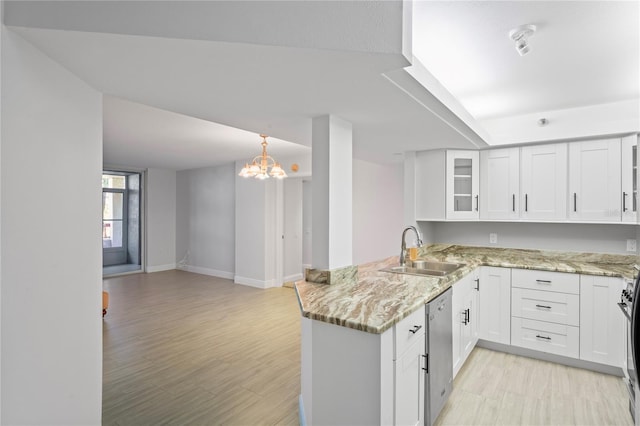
x,y
494,388
188,349
183,348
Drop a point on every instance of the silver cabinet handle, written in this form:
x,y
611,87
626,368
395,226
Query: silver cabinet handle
x,y
513,202
415,329
477,280
543,337
543,306
624,202
426,362
575,204
526,202
465,320
543,281
477,203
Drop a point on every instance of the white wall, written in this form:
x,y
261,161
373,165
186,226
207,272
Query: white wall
x,y
378,205
51,255
307,217
579,237
205,220
161,220
255,209
293,233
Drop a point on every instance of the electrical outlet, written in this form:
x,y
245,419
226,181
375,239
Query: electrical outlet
x,y
631,245
493,238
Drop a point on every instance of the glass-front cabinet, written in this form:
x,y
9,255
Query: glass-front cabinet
x,y
630,179
462,186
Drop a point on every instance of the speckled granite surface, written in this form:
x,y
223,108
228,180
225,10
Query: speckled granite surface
x,y
345,275
377,300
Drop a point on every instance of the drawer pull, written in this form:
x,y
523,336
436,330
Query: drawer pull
x,y
543,281
543,307
415,329
543,337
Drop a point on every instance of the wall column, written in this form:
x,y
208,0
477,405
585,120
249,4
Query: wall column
x,y
332,228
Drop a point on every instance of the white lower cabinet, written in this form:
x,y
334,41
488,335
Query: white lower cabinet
x,y
351,377
545,310
409,351
559,308
559,339
494,323
409,386
465,318
602,334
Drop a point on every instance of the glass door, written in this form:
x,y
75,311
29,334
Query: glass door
x,y
462,186
114,220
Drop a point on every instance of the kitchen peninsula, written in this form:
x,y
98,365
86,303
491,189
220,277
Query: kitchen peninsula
x,y
350,347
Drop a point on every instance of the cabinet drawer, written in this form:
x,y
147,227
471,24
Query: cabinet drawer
x,y
559,308
409,330
545,280
545,337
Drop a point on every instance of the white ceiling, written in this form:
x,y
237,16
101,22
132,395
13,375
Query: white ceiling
x,y
582,53
164,139
168,101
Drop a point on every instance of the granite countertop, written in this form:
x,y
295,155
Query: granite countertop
x,y
374,301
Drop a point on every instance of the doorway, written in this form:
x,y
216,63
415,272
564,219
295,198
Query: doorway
x,y
121,222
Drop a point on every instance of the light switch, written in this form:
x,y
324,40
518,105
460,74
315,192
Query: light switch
x,y
493,238
631,245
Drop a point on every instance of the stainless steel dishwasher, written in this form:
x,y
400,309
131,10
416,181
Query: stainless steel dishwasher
x,y
439,365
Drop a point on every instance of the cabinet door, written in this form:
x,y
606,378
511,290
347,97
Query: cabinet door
x,y
594,180
471,328
629,174
459,321
500,183
462,185
465,319
409,395
601,322
495,305
544,182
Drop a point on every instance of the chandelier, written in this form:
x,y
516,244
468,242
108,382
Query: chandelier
x,y
260,165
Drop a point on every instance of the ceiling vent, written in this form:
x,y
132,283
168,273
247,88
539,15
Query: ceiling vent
x,y
520,35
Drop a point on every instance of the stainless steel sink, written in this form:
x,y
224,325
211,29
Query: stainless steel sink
x,y
424,267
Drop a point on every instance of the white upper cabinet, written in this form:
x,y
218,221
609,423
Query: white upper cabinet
x,y
543,182
629,171
594,181
463,198
500,184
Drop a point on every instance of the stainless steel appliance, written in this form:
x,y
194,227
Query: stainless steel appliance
x,y
439,354
628,304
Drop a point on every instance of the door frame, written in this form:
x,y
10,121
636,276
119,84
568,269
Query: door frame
x,y
143,209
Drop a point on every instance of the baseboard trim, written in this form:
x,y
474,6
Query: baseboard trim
x,y
160,268
558,359
254,283
207,271
294,277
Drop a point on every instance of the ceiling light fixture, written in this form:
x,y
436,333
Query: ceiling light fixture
x,y
260,165
520,36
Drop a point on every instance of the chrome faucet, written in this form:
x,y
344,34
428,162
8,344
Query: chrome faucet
x,y
403,248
